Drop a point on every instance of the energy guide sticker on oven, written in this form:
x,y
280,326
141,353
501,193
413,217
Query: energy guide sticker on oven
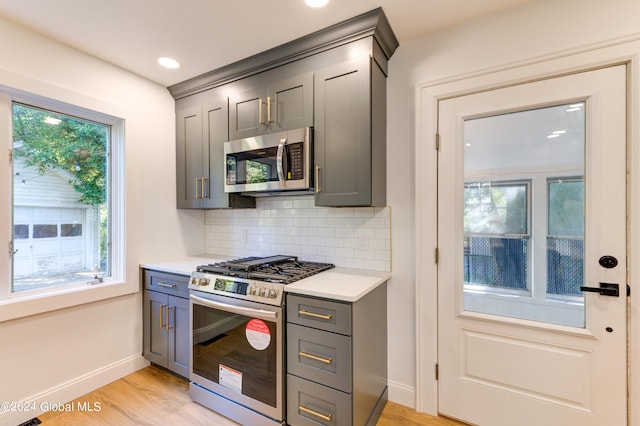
x,y
230,378
258,334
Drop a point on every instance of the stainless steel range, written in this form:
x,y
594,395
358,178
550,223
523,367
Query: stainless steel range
x,y
237,335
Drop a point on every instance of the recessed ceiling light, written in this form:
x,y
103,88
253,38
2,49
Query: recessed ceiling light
x,y
316,3
168,62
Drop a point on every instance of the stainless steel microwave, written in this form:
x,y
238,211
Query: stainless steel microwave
x,y
274,162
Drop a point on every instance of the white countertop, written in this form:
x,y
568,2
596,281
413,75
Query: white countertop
x,y
184,266
343,284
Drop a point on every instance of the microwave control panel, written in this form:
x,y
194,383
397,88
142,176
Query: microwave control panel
x,y
296,161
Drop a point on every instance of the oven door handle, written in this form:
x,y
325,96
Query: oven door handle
x,y
241,310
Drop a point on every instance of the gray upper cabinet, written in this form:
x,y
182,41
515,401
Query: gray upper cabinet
x,y
201,131
349,134
190,165
283,105
312,81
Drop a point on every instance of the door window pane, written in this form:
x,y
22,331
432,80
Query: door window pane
x,y
20,232
45,231
524,214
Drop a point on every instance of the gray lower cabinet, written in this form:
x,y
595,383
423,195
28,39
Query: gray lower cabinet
x,y
202,129
271,107
336,360
166,321
350,134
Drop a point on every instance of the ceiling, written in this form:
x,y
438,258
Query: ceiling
x,y
206,34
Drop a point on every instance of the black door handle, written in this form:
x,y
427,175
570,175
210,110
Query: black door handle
x,y
605,289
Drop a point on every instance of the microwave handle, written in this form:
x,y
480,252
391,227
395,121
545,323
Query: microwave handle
x,y
280,162
241,310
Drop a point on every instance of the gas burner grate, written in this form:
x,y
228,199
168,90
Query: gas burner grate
x,y
288,272
276,269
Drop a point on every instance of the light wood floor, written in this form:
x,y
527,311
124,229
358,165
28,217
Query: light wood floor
x,y
152,396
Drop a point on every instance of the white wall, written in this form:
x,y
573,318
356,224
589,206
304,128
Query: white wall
x,y
526,34
62,354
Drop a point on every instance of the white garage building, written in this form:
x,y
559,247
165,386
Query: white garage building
x,y
53,232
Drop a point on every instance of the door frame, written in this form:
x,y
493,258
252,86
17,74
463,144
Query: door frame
x,y
426,97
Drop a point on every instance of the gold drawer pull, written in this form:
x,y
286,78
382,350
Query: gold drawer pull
x,y
325,417
316,358
314,315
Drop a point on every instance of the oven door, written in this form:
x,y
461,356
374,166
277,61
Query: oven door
x,y
272,162
237,351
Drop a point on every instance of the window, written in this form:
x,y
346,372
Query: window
x,y
496,227
62,197
565,239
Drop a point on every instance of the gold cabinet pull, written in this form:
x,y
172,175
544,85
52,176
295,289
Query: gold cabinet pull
x,y
315,357
269,109
314,315
317,178
325,417
260,103
202,187
162,315
167,325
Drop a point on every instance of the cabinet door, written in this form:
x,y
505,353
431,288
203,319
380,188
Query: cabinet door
x,y
247,117
178,333
283,105
216,133
189,155
342,134
155,333
290,103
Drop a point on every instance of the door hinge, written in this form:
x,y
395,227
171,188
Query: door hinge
x,y
437,372
437,141
10,156
628,290
437,255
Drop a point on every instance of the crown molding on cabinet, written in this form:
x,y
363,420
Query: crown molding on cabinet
x,y
373,23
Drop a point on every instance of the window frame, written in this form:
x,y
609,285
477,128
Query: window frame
x,y
489,289
553,297
20,304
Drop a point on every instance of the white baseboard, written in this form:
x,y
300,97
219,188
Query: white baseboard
x,y
402,394
75,388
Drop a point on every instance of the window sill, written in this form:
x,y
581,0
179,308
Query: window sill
x,y
23,305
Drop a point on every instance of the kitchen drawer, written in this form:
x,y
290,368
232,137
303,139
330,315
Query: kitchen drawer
x,y
319,313
311,404
319,356
164,282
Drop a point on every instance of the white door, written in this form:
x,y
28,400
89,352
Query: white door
x,y
531,207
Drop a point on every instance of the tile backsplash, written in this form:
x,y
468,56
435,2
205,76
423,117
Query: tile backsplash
x,y
358,237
